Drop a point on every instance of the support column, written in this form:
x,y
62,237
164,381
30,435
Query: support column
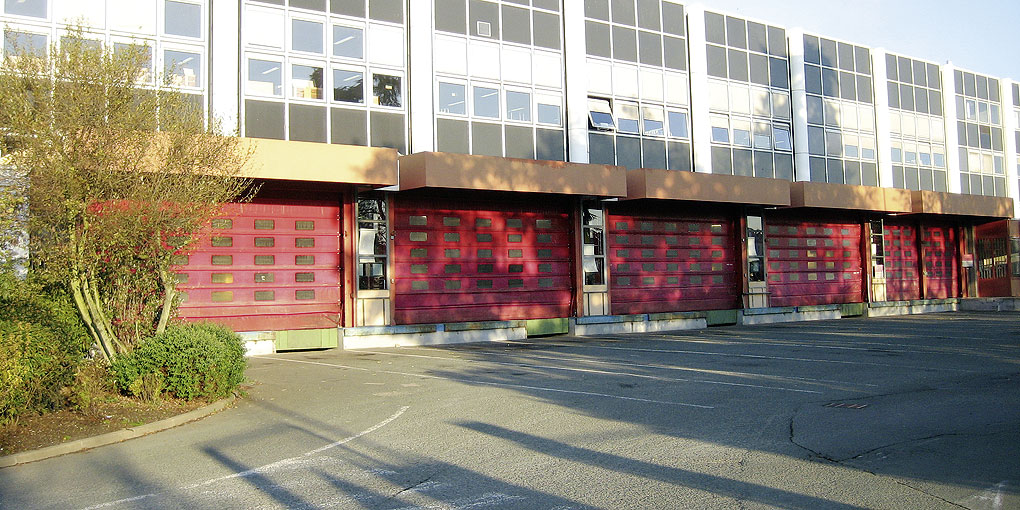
x,y
419,68
701,127
1009,129
883,127
224,64
952,138
576,86
798,96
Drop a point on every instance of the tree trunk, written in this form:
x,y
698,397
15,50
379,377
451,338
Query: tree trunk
x,y
169,292
86,317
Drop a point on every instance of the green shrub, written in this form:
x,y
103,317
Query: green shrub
x,y
92,382
42,341
189,361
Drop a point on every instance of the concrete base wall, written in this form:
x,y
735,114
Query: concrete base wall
x,y
258,343
643,323
893,308
265,342
432,334
999,304
758,316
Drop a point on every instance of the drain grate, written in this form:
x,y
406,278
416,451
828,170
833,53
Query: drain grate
x,y
846,405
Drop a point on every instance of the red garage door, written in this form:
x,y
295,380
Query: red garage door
x,y
941,277
269,265
480,261
663,264
814,263
902,279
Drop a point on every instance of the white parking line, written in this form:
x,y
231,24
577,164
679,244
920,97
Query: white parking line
x,y
266,468
728,373
493,383
885,347
755,356
604,372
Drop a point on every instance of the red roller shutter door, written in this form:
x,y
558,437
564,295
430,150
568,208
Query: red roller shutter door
x,y
661,264
902,278
474,262
941,276
814,263
269,265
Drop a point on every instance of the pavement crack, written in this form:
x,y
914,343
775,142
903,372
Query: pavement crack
x,y
814,453
922,491
413,486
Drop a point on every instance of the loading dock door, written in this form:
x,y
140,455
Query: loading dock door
x,y
902,278
272,264
666,264
813,263
941,275
470,261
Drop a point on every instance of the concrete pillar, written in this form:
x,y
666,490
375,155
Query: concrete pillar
x,y
701,127
883,126
421,105
224,64
1009,129
952,139
576,86
798,99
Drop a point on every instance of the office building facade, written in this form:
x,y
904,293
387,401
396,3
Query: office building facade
x,y
464,168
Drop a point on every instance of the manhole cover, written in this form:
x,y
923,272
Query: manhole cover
x,y
846,405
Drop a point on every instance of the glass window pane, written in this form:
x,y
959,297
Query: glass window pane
x,y
678,124
24,43
145,67
348,42
348,86
781,135
741,132
33,8
185,68
486,102
627,118
265,78
306,36
306,82
452,98
720,129
653,121
549,114
183,19
386,90
518,106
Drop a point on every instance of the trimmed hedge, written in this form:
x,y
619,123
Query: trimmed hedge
x,y
188,361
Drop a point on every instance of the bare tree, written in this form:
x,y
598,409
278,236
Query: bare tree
x,y
118,177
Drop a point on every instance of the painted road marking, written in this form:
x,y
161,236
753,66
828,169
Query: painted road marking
x,y
493,383
266,468
744,341
604,372
732,373
755,356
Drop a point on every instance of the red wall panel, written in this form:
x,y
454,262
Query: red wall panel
x,y
457,261
813,263
902,278
273,266
666,264
941,275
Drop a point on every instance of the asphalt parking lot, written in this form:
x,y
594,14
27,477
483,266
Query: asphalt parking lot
x,y
905,412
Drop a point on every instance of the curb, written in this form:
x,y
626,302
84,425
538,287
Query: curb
x,y
115,436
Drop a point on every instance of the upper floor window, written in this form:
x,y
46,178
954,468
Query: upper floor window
x,y
33,8
348,42
306,36
182,18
